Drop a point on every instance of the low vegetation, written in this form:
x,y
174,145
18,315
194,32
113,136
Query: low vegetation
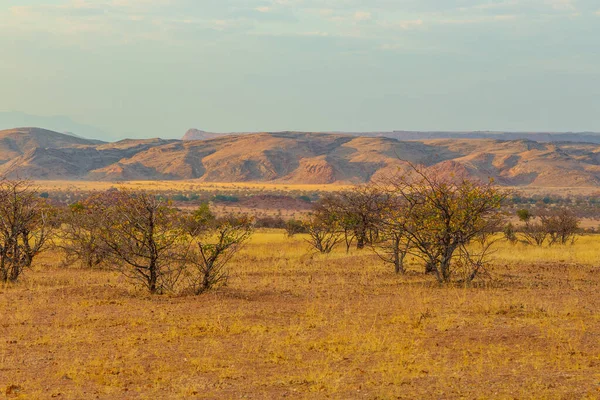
x,y
412,288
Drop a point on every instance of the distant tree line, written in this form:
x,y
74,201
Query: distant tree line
x,y
544,226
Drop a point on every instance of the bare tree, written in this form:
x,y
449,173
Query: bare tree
x,y
143,236
357,212
25,227
324,231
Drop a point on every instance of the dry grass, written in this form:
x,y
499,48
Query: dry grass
x,y
191,185
184,185
293,324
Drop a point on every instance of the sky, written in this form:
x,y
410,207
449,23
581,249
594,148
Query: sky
x,y
155,68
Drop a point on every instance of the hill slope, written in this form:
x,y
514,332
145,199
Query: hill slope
x,y
295,157
18,141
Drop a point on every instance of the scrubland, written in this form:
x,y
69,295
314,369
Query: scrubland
x,y
295,324
183,185
199,186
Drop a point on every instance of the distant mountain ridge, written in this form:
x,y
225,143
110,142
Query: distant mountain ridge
x,y
57,123
580,137
296,157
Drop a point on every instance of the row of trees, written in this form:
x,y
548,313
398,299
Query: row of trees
x,y
551,226
152,242
448,225
156,245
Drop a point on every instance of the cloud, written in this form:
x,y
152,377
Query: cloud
x,y
362,16
478,19
562,5
410,24
121,21
181,20
402,24
492,6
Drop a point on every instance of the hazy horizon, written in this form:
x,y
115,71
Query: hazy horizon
x,y
155,68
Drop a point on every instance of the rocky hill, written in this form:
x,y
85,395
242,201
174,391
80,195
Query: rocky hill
x,y
17,142
295,157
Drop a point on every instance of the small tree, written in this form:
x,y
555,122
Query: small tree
x,y
444,216
25,227
143,236
357,212
213,248
533,232
324,232
80,236
561,225
393,242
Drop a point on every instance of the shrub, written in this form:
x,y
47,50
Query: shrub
x,y
213,249
270,222
180,197
294,227
222,198
510,233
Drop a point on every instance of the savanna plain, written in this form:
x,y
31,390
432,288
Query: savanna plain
x,y
292,323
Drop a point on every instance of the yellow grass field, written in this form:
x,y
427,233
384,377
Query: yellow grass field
x,y
292,324
191,185
196,185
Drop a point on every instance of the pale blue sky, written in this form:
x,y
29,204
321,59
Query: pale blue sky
x,y
143,68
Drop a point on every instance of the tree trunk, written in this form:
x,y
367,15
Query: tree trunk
x,y
430,268
360,242
399,262
398,257
153,278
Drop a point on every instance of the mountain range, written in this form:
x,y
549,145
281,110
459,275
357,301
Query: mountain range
x,y
579,137
296,157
